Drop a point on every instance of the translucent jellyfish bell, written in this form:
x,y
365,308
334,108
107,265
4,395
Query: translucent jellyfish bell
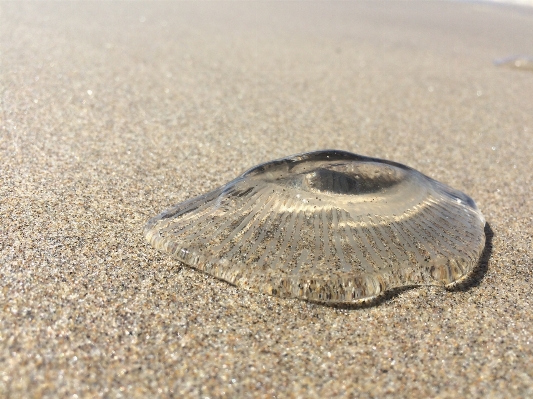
x,y
326,226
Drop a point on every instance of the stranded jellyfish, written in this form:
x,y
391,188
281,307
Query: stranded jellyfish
x,y
326,226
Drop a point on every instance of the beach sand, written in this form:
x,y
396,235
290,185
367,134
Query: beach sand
x,y
114,111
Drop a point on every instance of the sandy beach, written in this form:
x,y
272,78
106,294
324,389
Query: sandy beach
x,y
114,111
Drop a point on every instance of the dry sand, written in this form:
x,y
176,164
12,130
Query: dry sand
x,y
112,112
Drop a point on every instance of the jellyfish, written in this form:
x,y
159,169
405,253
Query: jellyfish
x,y
326,226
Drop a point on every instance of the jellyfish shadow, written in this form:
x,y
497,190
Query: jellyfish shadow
x,y
473,280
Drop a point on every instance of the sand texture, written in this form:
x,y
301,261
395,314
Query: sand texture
x,y
114,111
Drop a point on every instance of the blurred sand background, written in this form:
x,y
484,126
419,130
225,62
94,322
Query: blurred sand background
x,y
114,111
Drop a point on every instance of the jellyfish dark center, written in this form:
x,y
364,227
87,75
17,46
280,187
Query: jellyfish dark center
x,y
335,182
336,175
324,180
352,181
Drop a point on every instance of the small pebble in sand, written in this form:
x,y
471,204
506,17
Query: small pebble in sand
x,y
521,62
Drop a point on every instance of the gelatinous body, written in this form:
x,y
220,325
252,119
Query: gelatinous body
x,y
326,226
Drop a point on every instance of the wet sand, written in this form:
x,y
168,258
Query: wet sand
x,y
112,112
